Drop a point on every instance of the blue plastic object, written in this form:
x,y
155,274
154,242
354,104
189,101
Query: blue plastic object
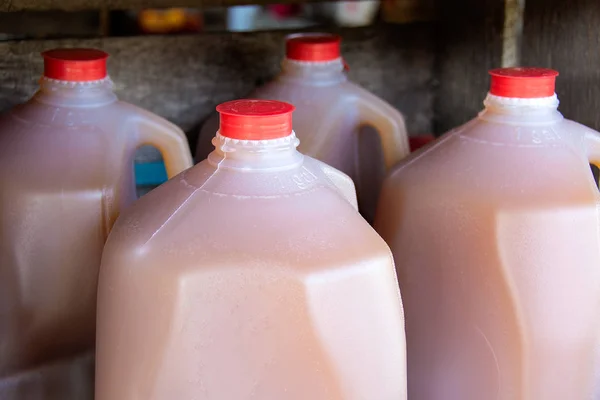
x,y
150,174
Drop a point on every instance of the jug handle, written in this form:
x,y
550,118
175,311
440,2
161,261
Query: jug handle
x,y
592,147
592,140
390,125
167,138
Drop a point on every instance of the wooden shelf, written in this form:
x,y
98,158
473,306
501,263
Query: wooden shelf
x,y
79,5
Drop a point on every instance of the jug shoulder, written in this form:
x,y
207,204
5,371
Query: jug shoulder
x,y
578,133
38,114
519,133
132,111
197,217
511,142
459,169
352,89
47,143
340,180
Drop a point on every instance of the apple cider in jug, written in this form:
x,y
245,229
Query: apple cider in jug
x,y
249,276
495,234
66,167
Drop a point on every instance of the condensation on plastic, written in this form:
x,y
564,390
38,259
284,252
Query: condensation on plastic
x,y
330,111
494,230
66,167
251,275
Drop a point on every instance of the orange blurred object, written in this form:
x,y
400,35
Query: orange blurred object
x,y
172,20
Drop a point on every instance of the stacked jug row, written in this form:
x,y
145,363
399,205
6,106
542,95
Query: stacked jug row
x,y
252,275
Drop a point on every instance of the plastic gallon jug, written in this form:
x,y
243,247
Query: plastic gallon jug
x,y
249,276
66,167
331,113
494,229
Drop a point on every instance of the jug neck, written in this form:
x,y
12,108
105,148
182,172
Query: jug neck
x,y
256,155
321,73
75,94
521,110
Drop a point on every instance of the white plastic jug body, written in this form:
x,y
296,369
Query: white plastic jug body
x,y
66,166
494,230
250,275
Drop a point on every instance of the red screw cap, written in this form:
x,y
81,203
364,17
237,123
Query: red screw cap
x,y
523,82
313,47
255,119
75,65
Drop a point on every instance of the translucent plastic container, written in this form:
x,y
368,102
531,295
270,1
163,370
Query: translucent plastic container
x,y
494,229
66,167
249,276
330,112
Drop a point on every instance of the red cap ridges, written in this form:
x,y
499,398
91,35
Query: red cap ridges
x,y
523,82
75,65
313,47
255,119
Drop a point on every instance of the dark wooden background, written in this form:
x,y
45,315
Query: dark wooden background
x,y
469,43
565,35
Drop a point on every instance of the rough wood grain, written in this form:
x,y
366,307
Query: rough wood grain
x,y
566,36
470,43
77,5
403,11
50,24
183,78
514,11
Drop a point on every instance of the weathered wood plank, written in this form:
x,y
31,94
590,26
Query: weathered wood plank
x,y
566,36
41,25
403,11
183,78
514,11
470,43
78,5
